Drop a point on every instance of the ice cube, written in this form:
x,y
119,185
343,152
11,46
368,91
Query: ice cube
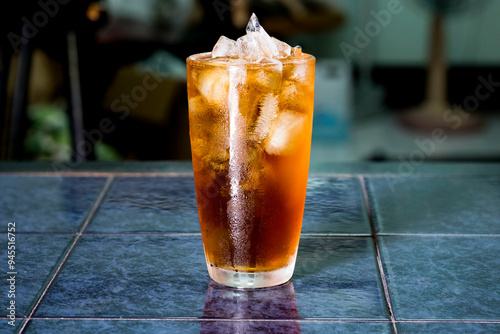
x,y
208,124
213,84
256,43
296,96
253,24
284,49
225,47
251,47
297,51
212,152
196,105
289,94
289,128
266,78
254,171
268,107
248,48
272,63
298,72
199,114
264,40
217,158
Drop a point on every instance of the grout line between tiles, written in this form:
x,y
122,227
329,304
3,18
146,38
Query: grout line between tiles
x,y
198,234
201,319
303,234
378,256
187,234
187,319
452,321
68,251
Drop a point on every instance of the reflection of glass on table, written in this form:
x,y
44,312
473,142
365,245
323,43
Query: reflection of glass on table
x,y
274,303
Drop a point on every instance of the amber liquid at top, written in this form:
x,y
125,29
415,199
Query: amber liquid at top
x,y
250,129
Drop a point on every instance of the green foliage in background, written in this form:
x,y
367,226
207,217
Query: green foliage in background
x,y
49,135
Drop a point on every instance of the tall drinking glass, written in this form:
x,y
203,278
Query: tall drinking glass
x,y
250,130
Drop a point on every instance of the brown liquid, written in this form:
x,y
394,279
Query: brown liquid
x,y
250,139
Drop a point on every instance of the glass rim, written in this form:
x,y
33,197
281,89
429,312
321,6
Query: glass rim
x,y
210,61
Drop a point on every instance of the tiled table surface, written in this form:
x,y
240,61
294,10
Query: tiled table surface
x,y
116,248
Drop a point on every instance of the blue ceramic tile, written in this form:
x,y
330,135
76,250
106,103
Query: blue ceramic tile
x,y
38,326
130,276
148,205
48,204
335,205
443,277
7,328
345,327
35,258
436,205
448,328
338,278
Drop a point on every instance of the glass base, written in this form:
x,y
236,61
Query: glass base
x,y
251,280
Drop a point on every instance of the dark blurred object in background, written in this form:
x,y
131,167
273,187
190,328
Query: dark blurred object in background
x,y
431,113
61,29
114,67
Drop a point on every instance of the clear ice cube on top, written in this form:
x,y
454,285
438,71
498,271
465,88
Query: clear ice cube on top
x,y
264,41
225,47
284,49
253,46
248,48
257,43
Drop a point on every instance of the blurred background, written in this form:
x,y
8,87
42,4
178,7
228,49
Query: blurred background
x,y
396,80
